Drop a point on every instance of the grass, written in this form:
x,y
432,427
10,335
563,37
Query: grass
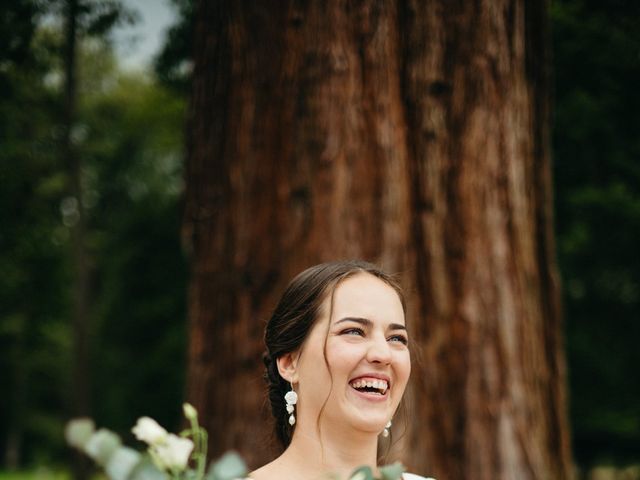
x,y
41,473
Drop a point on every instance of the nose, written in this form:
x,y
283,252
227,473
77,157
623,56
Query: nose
x,y
379,351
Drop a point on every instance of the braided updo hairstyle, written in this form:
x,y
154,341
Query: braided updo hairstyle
x,y
293,319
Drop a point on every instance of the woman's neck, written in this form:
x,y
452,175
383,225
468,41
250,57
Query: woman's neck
x,y
336,452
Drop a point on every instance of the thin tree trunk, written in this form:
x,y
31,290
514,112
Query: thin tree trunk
x,y
411,134
80,406
17,399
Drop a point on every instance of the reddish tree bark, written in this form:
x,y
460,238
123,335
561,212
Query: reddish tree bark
x,y
476,94
413,134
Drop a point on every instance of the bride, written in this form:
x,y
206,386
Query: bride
x,y
337,364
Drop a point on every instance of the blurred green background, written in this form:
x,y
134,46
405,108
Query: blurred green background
x,y
128,133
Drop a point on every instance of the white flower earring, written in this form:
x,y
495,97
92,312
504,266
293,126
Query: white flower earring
x,y
385,432
291,397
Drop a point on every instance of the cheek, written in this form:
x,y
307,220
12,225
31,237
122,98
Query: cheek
x,y
315,384
343,357
403,367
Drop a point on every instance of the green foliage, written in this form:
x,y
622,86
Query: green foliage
x,y
169,457
128,135
173,64
388,472
34,335
392,472
228,467
41,473
597,173
132,149
362,473
17,27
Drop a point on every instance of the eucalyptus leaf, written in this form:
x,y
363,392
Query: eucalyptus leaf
x,y
146,470
122,463
102,445
78,432
392,472
229,467
190,475
362,473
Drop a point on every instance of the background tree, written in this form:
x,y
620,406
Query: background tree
x,y
31,254
597,155
128,132
173,64
414,135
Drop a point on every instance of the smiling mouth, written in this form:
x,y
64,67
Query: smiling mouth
x,y
376,387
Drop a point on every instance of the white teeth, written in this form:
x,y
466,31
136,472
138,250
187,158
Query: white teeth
x,y
381,385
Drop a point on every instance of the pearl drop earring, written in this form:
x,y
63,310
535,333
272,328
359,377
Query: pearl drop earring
x,y
385,432
291,397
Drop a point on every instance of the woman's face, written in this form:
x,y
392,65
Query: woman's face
x,y
367,354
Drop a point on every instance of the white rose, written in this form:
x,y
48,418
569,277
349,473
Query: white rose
x,y
173,453
148,430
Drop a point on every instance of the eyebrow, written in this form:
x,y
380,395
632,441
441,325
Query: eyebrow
x,y
367,323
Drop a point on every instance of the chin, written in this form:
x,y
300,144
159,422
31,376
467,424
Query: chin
x,y
373,428
370,422
366,414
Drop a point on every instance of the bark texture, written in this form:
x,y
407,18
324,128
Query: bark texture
x,y
476,96
412,134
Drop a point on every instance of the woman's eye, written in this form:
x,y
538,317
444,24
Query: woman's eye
x,y
353,331
399,338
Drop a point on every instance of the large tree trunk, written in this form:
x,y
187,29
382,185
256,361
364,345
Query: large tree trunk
x,y
412,134
490,392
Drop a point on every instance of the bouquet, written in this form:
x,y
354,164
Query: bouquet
x,y
170,456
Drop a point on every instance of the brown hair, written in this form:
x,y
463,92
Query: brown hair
x,y
293,319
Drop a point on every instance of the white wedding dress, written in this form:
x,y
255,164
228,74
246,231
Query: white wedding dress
x,y
405,476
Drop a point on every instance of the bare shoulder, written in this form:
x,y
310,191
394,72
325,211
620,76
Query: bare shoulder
x,y
268,471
